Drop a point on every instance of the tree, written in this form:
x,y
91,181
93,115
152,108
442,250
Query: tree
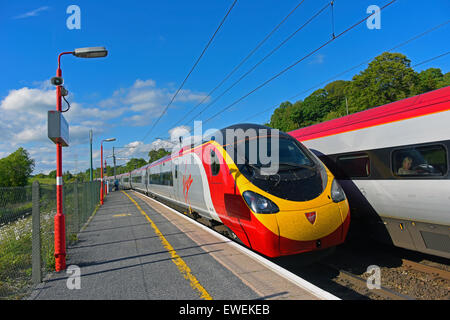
x,y
283,117
312,109
15,169
428,80
157,154
336,94
388,78
52,174
445,80
135,163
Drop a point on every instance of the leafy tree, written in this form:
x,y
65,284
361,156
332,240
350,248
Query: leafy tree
x,y
445,80
428,80
157,154
283,117
52,174
336,94
388,78
313,108
68,177
16,168
135,163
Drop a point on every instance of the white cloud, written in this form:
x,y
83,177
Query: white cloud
x,y
318,59
144,83
23,122
19,101
144,101
138,149
32,13
177,132
24,116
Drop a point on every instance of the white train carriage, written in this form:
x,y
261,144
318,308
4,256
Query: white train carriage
x,y
138,179
124,181
393,163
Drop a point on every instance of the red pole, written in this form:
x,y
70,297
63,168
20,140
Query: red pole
x,y
60,225
101,162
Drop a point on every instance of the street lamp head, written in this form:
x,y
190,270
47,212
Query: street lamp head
x,y
91,52
110,139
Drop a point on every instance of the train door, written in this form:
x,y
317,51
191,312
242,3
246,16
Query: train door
x,y
146,180
178,168
216,179
176,181
228,200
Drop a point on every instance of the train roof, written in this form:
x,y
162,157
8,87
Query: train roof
x,y
420,105
243,126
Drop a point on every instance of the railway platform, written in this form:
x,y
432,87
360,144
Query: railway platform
x,y
137,248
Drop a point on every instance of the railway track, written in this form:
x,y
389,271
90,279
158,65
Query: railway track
x,y
404,274
421,267
361,283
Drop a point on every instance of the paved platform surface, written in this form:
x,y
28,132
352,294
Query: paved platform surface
x,y
136,248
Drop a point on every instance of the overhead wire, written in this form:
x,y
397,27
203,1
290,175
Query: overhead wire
x,y
295,63
358,65
241,62
260,62
431,59
192,69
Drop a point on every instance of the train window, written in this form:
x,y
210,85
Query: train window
x,y
137,179
167,178
176,172
353,166
163,178
215,164
420,161
155,178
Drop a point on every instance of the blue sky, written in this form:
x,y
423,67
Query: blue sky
x,y
153,45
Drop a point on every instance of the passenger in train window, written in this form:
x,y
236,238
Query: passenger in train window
x,y
406,167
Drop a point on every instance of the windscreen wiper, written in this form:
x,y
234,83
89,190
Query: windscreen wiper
x,y
297,165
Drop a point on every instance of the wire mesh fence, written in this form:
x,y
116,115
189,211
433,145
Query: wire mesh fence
x,y
27,231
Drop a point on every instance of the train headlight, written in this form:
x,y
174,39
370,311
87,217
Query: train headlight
x,y
259,204
337,193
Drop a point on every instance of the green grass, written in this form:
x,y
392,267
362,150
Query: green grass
x,y
15,255
42,180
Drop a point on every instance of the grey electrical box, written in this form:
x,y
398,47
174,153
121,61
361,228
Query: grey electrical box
x,y
58,128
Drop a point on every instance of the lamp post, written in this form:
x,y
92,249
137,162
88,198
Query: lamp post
x,y
101,163
60,227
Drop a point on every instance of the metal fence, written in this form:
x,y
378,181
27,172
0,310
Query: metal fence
x,y
26,231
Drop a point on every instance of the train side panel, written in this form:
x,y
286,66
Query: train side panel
x,y
365,151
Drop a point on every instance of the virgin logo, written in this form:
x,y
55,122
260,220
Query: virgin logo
x,y
311,216
186,186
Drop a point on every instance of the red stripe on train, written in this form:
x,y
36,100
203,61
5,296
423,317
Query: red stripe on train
x,y
417,106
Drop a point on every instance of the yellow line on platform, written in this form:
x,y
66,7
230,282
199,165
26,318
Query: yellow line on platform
x,y
176,259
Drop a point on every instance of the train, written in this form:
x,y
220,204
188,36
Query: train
x,y
393,163
299,208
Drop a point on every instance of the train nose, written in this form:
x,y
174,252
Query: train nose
x,y
305,230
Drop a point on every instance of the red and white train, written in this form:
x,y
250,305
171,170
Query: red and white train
x,y
300,208
393,163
